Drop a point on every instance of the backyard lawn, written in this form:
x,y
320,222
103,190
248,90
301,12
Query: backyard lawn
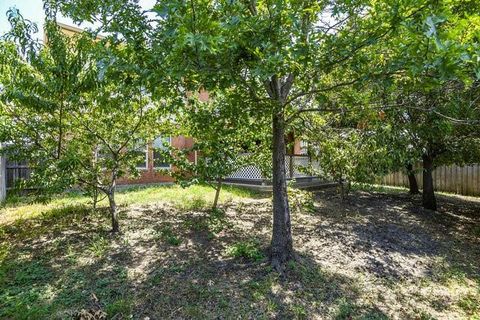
x,y
376,255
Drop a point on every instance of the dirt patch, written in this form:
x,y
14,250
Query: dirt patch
x,y
373,256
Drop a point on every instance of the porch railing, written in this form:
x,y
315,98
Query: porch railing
x,y
296,166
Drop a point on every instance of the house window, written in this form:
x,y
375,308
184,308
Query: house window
x,y
102,154
303,147
160,146
141,152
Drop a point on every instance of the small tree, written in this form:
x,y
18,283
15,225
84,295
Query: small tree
x,y
223,140
112,124
40,85
77,112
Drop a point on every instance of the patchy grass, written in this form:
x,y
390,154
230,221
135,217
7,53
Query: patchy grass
x,y
356,186
191,198
373,256
166,233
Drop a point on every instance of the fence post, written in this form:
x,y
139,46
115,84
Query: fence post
x,y
291,164
3,175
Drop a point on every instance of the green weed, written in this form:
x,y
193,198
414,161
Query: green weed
x,y
346,310
98,246
217,221
119,309
166,234
246,249
299,312
470,304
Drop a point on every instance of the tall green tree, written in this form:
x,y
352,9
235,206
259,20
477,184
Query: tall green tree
x,y
281,57
434,97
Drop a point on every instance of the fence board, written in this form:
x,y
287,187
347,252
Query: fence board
x,y
3,178
456,179
15,172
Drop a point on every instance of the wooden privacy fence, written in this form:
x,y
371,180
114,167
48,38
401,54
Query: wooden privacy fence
x,y
456,179
16,171
3,177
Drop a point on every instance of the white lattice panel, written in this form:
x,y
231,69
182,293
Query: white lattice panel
x,y
247,172
300,162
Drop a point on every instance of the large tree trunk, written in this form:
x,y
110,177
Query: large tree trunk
x,y
428,195
412,180
282,248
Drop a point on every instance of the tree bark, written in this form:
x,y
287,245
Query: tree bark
x,y
217,194
282,245
112,204
412,180
113,211
428,194
95,198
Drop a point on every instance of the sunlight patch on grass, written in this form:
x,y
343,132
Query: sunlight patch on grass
x,y
27,209
377,188
192,198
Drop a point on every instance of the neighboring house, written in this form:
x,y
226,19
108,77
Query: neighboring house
x,y
152,169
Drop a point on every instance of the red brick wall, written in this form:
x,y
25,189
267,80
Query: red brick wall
x,y
297,147
151,175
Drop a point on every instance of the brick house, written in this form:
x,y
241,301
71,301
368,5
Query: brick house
x,y
152,168
152,165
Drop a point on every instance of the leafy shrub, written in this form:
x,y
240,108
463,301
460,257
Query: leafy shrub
x,y
246,249
98,246
166,233
301,200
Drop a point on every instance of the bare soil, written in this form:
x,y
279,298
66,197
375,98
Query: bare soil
x,y
372,256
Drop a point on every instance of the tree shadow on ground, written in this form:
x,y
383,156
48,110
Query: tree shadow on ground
x,y
173,264
65,260
390,236
202,283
